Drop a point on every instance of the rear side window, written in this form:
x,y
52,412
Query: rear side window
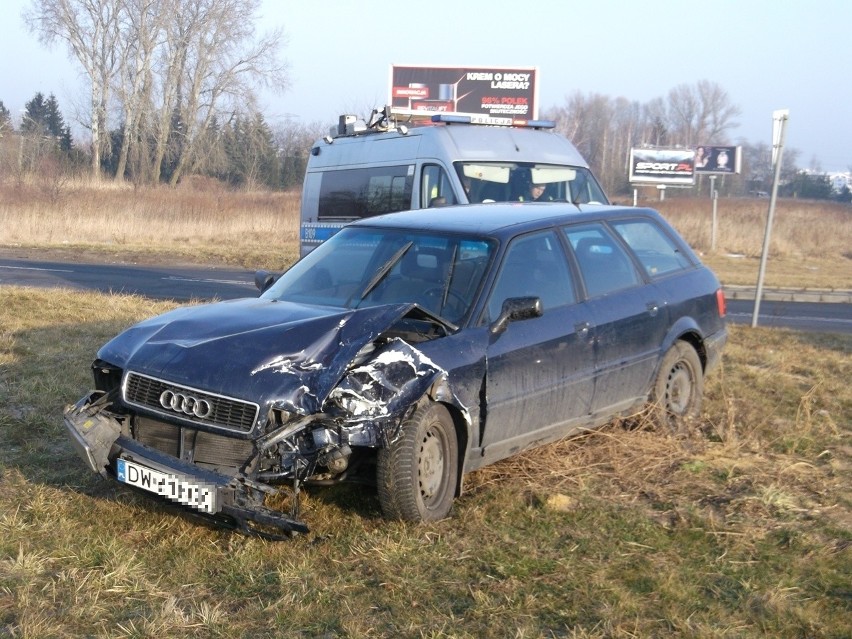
x,y
655,250
357,193
604,264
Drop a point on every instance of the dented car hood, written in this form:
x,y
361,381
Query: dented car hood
x,y
256,349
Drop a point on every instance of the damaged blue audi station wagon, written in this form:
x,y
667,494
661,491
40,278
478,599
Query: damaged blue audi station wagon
x,y
407,350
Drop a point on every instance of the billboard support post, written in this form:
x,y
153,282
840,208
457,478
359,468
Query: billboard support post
x,y
779,132
714,195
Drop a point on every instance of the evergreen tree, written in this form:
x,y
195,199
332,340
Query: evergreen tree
x,y
5,118
251,158
807,186
43,117
35,116
53,121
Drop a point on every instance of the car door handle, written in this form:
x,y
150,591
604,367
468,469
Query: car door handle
x,y
583,329
653,308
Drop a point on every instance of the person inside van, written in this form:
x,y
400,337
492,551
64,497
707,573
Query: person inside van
x,y
536,193
467,185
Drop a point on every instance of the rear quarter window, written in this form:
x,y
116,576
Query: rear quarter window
x,y
655,250
604,264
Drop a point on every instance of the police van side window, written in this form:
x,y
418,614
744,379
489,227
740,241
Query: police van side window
x,y
435,187
357,193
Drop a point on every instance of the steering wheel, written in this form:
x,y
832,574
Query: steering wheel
x,y
459,305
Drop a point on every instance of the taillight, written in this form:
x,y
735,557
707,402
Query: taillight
x,y
721,304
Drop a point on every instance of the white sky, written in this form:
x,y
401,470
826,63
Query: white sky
x,y
767,54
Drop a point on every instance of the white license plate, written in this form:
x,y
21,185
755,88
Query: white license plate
x,y
184,490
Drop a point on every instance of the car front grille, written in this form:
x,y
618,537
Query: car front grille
x,y
217,452
147,392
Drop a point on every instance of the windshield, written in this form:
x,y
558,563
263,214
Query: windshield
x,y
368,266
528,182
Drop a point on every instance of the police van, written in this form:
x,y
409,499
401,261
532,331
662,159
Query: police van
x,y
363,168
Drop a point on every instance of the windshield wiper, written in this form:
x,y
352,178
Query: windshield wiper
x,y
449,276
385,269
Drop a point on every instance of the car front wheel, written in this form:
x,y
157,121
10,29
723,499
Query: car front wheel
x,y
679,387
417,473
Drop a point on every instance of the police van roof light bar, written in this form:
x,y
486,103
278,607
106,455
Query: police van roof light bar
x,y
448,118
541,124
453,118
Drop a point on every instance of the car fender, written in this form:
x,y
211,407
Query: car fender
x,y
393,380
683,326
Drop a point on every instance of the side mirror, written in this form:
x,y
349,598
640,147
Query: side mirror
x,y
516,309
263,280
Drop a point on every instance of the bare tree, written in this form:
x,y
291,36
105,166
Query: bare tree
x,y
701,114
602,129
142,27
293,141
626,128
91,29
656,131
216,64
172,66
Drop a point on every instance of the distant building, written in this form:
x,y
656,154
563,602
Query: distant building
x,y
836,179
840,181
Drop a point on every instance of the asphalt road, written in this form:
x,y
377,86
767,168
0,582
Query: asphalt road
x,y
183,283
818,317
172,282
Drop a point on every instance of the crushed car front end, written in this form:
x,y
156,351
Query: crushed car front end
x,y
252,429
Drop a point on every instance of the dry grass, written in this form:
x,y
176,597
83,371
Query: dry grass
x,y
202,222
740,528
809,243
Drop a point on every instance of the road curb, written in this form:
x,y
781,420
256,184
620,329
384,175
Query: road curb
x,y
825,295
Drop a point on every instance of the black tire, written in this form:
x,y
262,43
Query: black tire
x,y
679,387
417,474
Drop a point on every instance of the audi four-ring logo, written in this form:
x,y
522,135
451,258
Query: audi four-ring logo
x,y
186,404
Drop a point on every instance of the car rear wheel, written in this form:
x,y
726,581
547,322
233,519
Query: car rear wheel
x,y
679,386
417,473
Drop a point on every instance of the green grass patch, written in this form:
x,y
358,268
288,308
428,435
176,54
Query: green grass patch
x,y
741,528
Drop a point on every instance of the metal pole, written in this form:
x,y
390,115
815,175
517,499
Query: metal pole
x,y
780,119
714,195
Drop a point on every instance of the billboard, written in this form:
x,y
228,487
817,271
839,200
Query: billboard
x,y
505,94
662,166
718,159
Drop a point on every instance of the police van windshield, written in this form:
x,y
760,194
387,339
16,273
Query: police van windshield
x,y
527,182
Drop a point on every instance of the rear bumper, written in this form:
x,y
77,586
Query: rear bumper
x,y
713,346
